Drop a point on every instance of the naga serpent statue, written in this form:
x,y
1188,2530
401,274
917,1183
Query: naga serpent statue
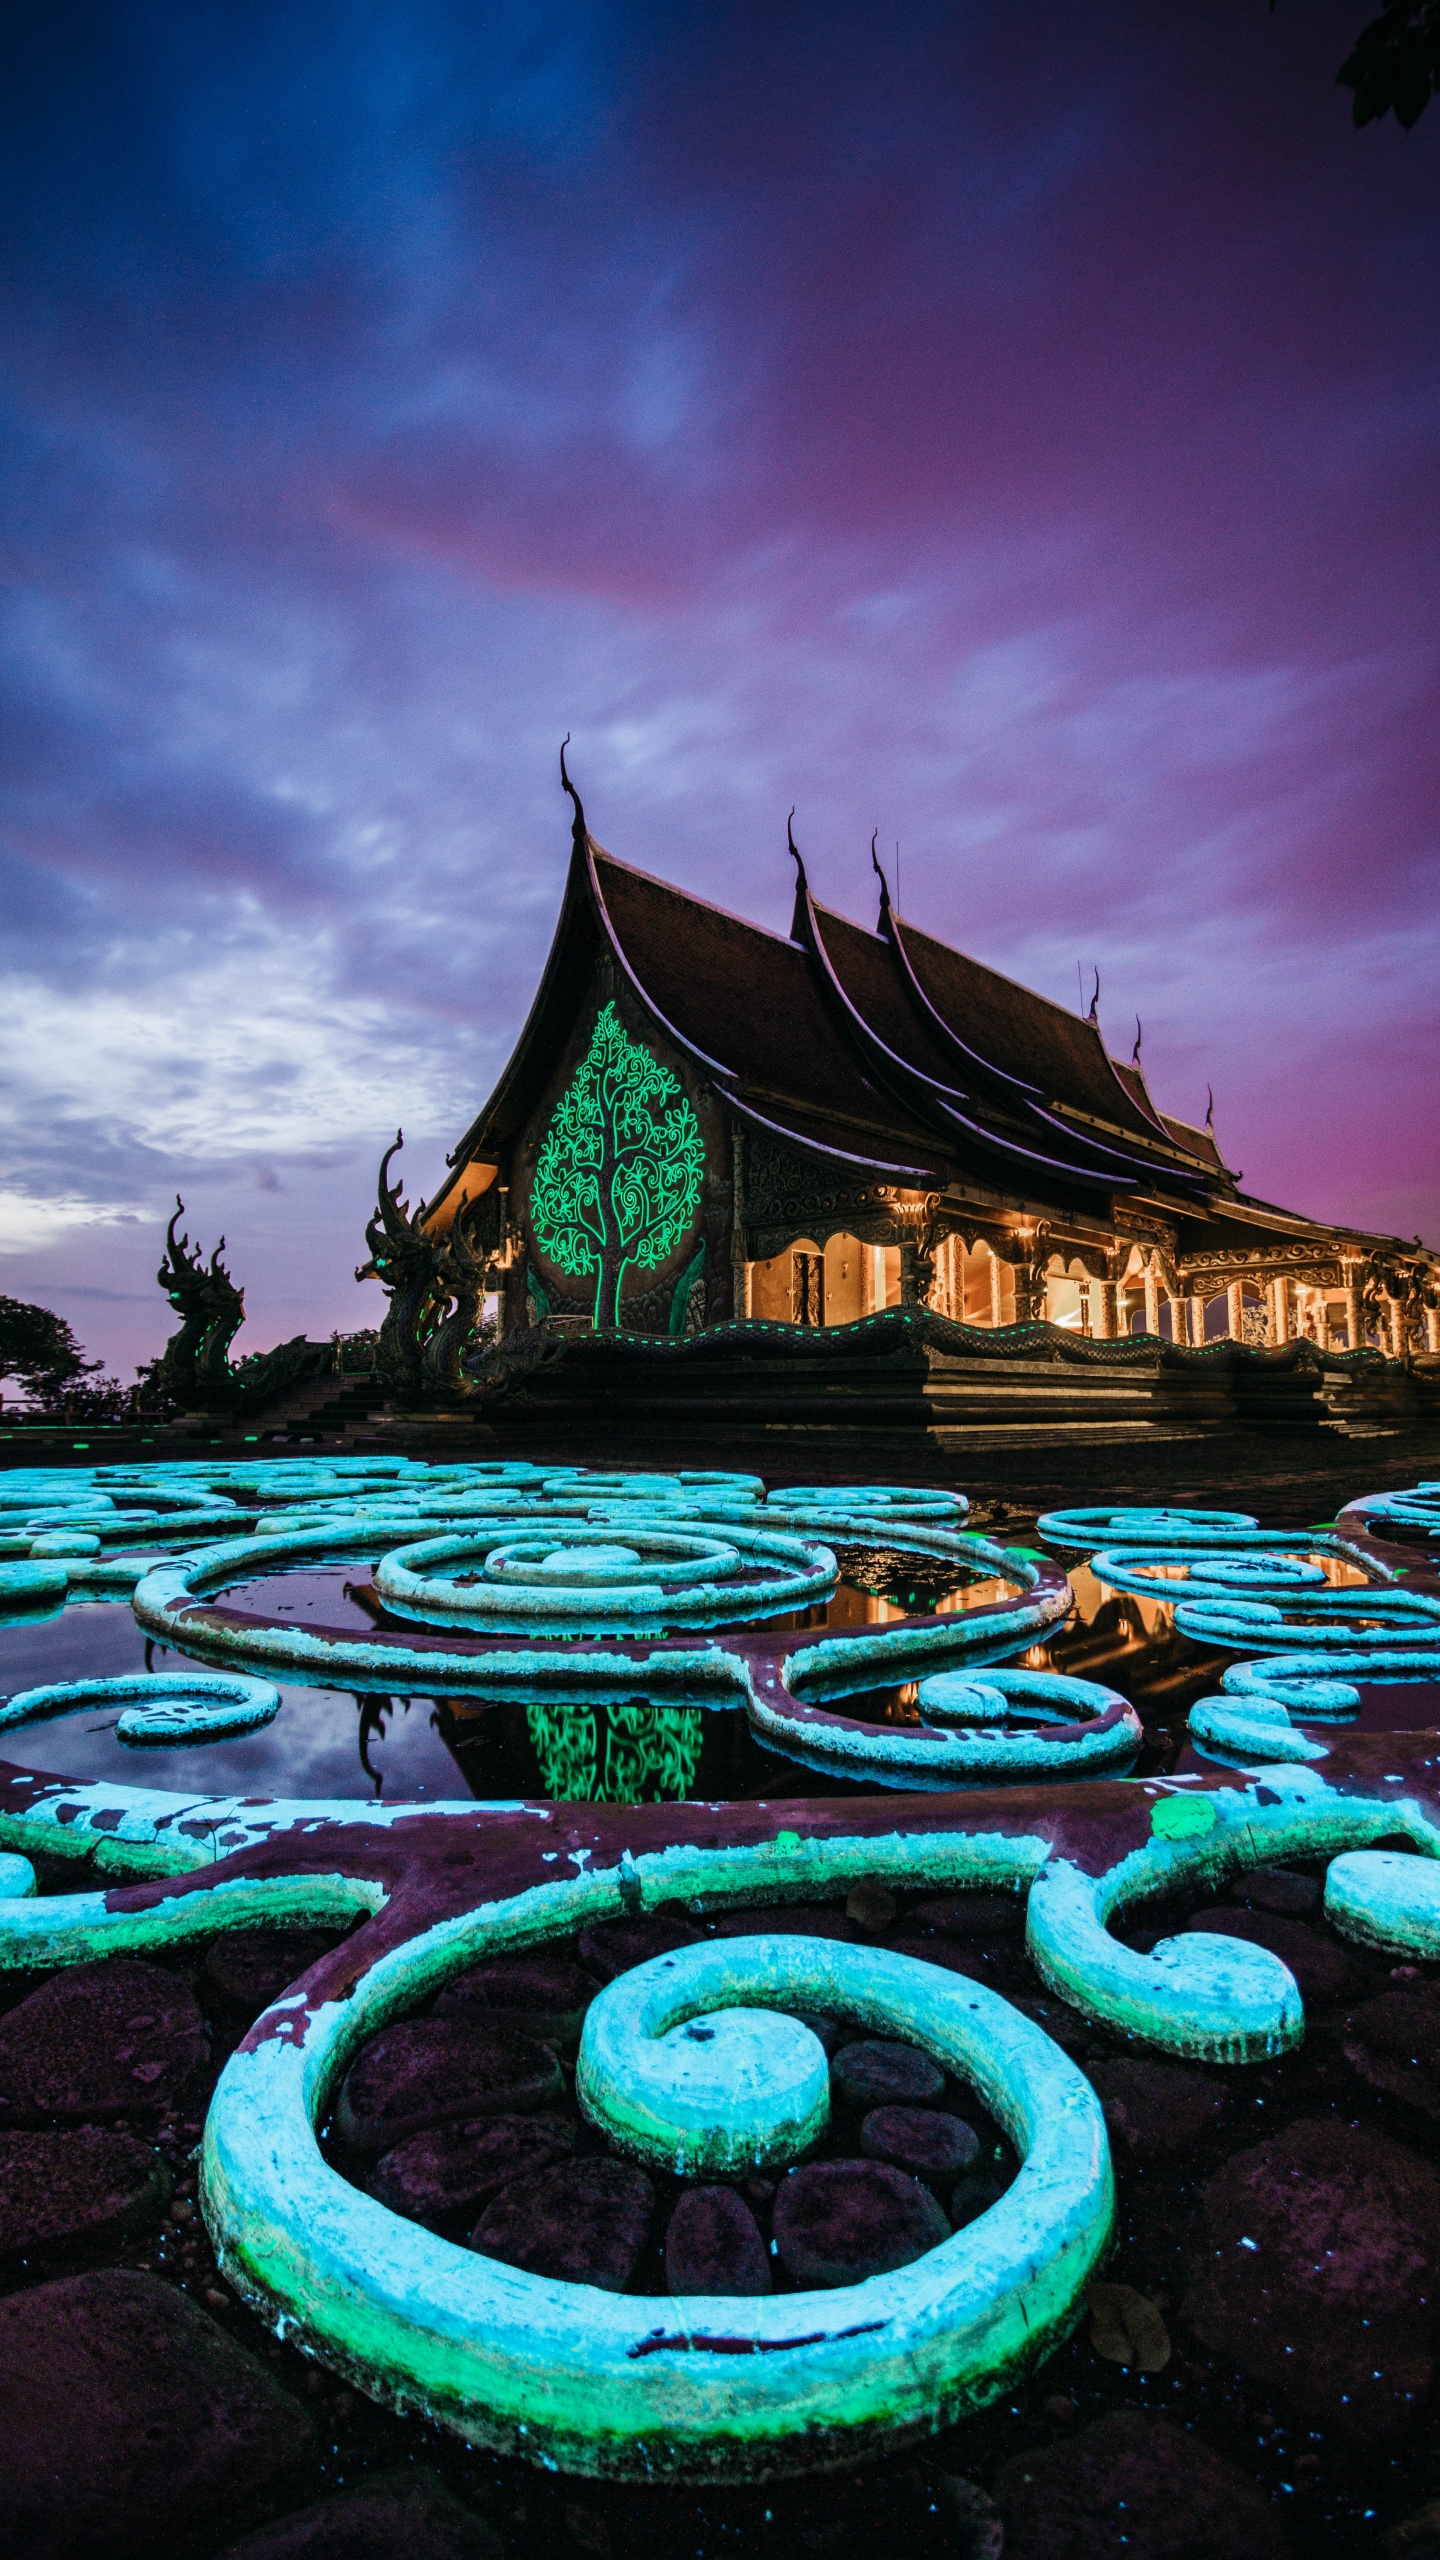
x,y
195,1368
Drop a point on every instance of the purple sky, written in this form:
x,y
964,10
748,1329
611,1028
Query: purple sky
x,y
1013,427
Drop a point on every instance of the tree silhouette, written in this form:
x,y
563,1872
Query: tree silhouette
x,y
617,1179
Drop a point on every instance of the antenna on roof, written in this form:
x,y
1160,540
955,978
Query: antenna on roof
x,y
1094,1013
1139,1039
1210,1110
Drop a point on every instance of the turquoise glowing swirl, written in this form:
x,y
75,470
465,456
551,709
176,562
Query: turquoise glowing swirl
x,y
978,1725
157,1706
635,2387
605,1578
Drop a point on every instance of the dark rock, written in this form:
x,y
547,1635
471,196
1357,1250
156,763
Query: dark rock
x,y
612,1947
1324,1974
125,2413
871,1903
970,1915
1003,1968
447,2173
973,2195
787,1920
919,2139
80,2187
585,2223
1157,2107
975,2531
396,2515
714,2245
1138,2485
543,1991
249,1968
1320,2255
115,2038
828,2031
1394,2043
426,2071
875,2073
839,2221
1277,1889
1415,2537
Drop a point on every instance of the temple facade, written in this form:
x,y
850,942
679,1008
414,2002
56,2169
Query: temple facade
x,y
704,1123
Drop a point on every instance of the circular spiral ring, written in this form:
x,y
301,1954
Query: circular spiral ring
x,y
172,1706
748,2387
690,1585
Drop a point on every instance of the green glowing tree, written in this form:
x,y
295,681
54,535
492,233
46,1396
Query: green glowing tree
x,y
617,1179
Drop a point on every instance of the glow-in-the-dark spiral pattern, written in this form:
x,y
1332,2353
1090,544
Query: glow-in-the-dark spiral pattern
x,y
156,1706
564,1577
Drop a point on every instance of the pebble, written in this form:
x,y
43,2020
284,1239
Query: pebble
x,y
1324,1974
1138,2486
115,2038
1157,2107
975,2531
870,1903
126,2414
547,1993
1394,2043
1126,2328
876,2073
1320,2252
395,2515
714,2245
838,2221
248,1968
612,1947
447,2173
1277,1889
426,2071
920,2140
585,2223
83,2186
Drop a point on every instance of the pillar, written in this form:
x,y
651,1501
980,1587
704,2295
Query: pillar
x,y
909,1294
1350,1273
1152,1298
1432,1328
997,1292
1280,1308
1197,1321
1235,1295
1395,1324
1102,1309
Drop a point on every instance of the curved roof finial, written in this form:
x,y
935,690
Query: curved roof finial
x,y
1210,1109
880,876
790,839
566,784
1139,1040
1094,1013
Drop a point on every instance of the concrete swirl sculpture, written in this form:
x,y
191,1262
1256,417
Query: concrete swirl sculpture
x,y
697,2059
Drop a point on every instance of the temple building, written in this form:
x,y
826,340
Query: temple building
x,y
704,1122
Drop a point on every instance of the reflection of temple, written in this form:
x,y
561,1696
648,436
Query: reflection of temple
x,y
703,1121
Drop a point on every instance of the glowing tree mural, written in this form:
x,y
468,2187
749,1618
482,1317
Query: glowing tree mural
x,y
617,1180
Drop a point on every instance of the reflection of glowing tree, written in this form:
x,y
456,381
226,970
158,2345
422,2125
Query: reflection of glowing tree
x,y
617,1179
650,1753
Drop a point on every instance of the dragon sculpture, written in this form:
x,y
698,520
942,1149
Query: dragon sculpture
x,y
196,1371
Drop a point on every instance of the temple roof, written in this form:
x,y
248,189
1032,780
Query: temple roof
x,y
888,1050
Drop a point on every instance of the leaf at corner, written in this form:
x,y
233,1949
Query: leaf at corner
x,y
1127,2329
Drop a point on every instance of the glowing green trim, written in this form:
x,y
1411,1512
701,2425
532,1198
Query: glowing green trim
x,y
617,1180
623,2386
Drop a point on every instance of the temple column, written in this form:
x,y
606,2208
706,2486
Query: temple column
x,y
1395,1324
1350,1274
1152,1298
1432,1328
909,1294
1236,1295
1179,1326
1280,1308
997,1292
1197,1322
1102,1308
